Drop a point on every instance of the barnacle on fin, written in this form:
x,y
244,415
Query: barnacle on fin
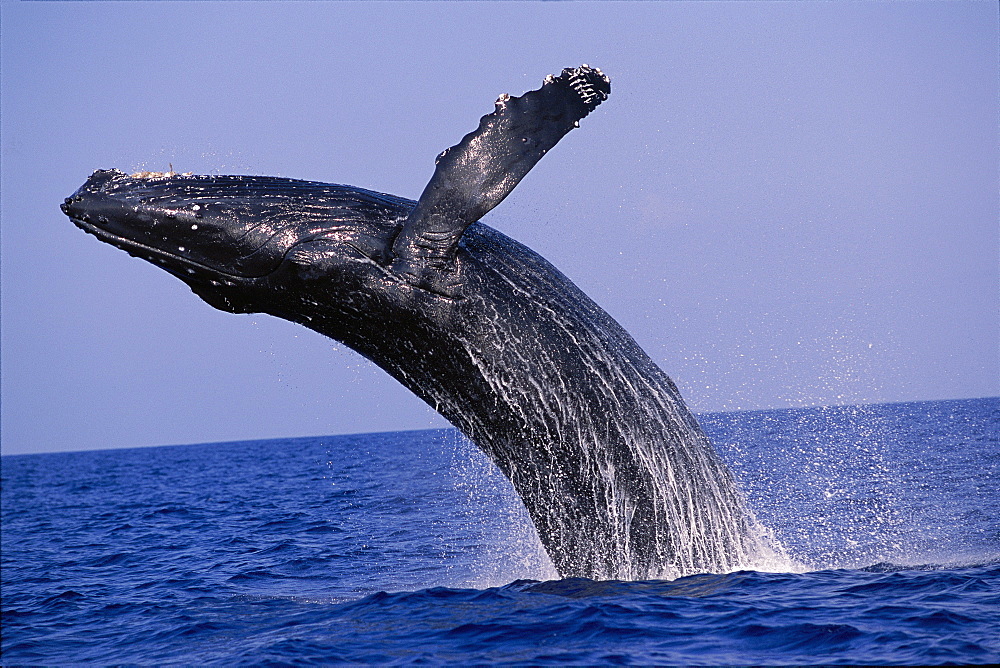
x,y
589,84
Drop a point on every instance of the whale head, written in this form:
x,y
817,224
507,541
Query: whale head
x,y
237,240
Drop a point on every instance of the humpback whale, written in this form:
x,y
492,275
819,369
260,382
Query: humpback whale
x,y
618,478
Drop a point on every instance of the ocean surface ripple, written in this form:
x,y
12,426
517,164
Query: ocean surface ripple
x,y
410,547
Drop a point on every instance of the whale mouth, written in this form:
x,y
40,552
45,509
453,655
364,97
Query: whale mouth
x,y
182,267
229,229
176,221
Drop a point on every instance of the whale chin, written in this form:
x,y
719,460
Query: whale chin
x,y
182,223
231,230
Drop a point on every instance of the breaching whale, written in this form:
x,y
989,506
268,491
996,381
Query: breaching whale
x,y
617,476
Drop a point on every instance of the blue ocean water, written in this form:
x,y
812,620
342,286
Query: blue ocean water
x,y
410,547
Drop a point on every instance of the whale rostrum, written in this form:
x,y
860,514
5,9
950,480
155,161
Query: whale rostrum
x,y
617,476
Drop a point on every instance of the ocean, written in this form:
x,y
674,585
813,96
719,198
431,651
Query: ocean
x,y
410,547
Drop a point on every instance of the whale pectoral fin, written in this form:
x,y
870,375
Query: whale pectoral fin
x,y
475,175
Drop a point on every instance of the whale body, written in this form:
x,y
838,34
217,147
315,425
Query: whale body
x,y
617,476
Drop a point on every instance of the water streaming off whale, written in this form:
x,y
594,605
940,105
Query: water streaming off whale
x,y
617,476
643,466
615,471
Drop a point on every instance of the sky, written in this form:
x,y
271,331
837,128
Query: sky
x,y
786,204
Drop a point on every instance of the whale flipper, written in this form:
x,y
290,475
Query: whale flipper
x,y
477,174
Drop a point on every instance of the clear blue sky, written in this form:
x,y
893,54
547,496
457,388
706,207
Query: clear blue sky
x,y
787,204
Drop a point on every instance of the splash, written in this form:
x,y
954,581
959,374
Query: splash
x,y
872,484
618,477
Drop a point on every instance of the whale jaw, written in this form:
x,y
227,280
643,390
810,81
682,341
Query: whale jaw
x,y
225,236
